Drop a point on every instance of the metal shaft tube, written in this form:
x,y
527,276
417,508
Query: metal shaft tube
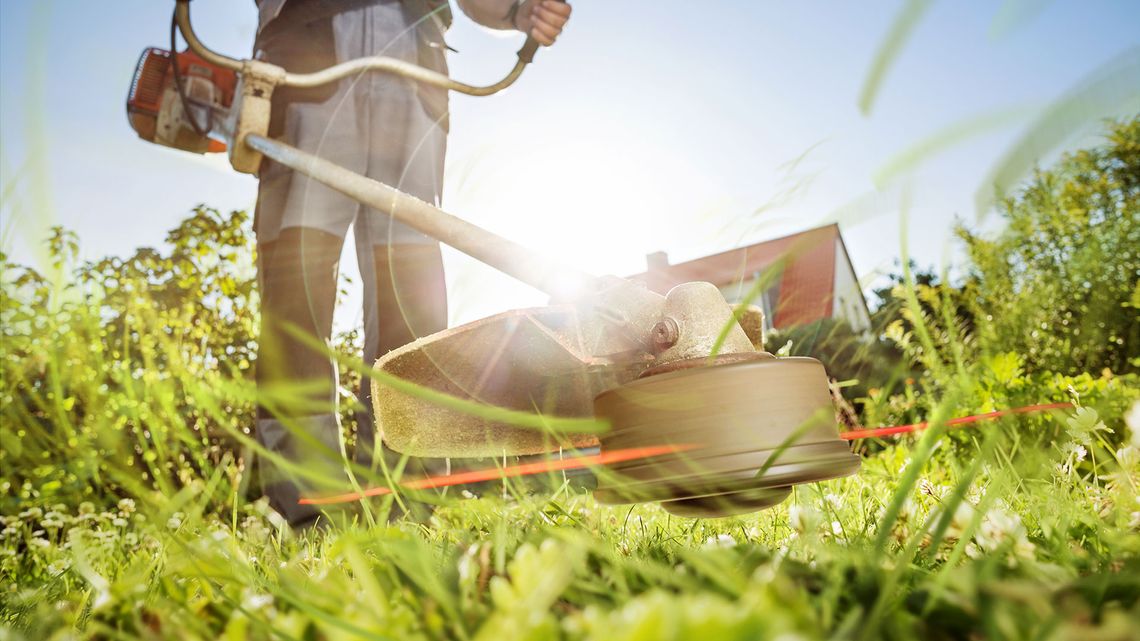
x,y
399,68
504,255
182,17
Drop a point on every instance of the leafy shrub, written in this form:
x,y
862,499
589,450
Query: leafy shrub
x,y
859,361
1060,284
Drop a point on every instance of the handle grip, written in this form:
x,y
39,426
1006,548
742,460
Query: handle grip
x,y
526,54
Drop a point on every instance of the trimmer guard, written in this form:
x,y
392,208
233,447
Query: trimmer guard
x,y
530,360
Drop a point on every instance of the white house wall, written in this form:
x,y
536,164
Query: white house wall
x,y
847,303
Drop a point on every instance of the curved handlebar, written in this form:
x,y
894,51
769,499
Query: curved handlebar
x,y
353,67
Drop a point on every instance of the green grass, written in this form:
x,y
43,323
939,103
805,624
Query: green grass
x,y
1003,546
127,509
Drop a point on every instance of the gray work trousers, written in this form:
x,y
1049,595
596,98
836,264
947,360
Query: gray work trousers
x,y
378,126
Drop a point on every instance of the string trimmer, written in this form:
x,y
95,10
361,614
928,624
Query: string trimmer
x,y
723,426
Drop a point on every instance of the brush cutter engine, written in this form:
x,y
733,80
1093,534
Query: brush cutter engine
x,y
161,113
676,373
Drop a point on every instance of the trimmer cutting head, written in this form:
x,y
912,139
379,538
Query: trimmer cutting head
x,y
745,430
744,426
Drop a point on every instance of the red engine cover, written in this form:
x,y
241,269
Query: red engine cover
x,y
154,73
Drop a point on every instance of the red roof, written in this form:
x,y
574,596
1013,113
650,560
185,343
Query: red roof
x,y
806,285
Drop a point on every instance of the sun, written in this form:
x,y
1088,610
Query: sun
x,y
590,199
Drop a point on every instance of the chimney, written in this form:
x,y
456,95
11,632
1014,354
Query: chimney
x,y
656,261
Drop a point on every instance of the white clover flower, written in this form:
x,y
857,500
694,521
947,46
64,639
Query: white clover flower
x,y
999,528
1128,457
126,506
58,567
175,521
1132,420
931,489
52,519
1073,453
251,600
720,541
253,529
803,519
467,565
43,544
119,522
87,507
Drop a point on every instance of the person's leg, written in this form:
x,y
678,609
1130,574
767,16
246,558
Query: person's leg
x,y
405,297
402,270
301,225
297,419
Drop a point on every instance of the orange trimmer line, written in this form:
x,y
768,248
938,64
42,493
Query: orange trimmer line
x,y
495,473
964,420
629,454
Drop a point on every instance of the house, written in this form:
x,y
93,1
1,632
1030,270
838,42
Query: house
x,y
802,278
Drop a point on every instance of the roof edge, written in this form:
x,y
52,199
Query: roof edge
x,y
756,244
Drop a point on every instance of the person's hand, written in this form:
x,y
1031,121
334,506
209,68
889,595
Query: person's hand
x,y
542,20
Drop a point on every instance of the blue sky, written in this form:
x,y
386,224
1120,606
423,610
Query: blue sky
x,y
689,127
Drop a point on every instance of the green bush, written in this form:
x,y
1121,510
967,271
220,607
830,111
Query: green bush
x,y
1060,284
106,364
